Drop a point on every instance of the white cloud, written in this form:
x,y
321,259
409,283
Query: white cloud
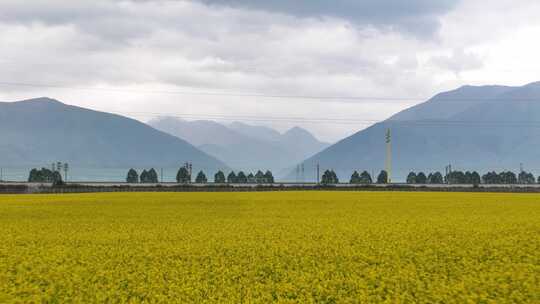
x,y
458,61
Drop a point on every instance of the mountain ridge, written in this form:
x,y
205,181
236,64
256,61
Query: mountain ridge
x,y
39,131
243,146
489,128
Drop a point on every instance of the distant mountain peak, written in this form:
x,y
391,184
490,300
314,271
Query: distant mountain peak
x,y
298,132
296,129
43,100
533,84
164,118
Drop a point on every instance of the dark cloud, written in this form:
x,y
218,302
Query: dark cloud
x,y
414,16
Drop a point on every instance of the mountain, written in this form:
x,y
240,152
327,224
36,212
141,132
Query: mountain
x,y
200,132
39,131
473,128
259,132
301,142
243,146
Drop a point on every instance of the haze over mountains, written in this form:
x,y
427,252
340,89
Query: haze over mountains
x,y
473,128
39,131
243,146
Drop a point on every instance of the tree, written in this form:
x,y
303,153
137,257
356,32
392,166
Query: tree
x,y
241,178
251,178
45,176
152,177
33,176
456,177
268,177
508,177
334,177
411,178
526,178
57,178
365,178
421,178
183,177
355,178
219,178
231,178
144,176
436,178
260,178
201,178
329,177
491,178
475,178
132,176
382,178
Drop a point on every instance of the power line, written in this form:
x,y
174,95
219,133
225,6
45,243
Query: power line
x,y
229,94
315,98
352,121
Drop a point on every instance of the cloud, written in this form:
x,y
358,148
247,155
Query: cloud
x,y
458,61
420,17
315,48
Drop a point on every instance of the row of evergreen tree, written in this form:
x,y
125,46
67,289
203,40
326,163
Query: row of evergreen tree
x,y
183,176
454,177
472,178
44,175
421,178
146,177
242,178
364,178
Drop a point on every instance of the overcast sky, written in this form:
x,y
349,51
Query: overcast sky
x,y
139,58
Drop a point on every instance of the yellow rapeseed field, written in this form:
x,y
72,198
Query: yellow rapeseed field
x,y
307,247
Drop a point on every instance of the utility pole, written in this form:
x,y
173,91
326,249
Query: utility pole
x,y
388,156
448,171
318,173
303,175
66,168
189,168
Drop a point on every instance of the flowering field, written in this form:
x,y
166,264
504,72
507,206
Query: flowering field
x,y
325,247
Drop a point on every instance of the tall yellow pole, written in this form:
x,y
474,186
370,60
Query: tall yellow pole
x,y
389,156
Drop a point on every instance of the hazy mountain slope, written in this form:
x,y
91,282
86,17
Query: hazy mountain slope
x,y
447,104
200,132
259,132
245,147
496,130
301,143
40,131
